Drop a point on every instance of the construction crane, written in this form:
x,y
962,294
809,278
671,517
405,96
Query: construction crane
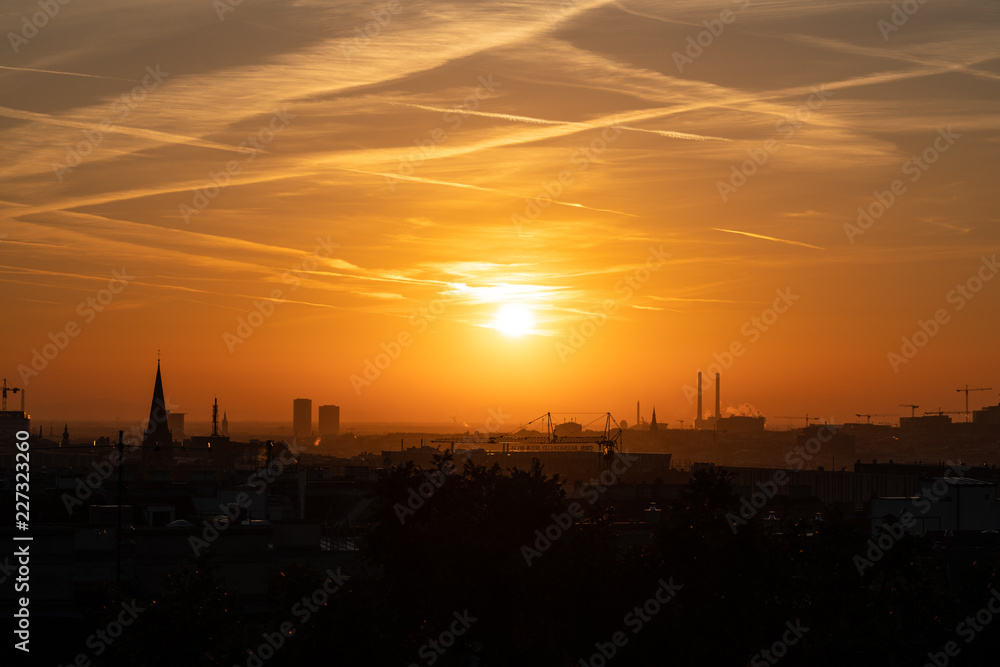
x,y
940,412
869,416
967,389
609,440
807,418
12,390
912,407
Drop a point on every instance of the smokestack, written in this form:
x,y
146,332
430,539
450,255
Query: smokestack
x,y
637,412
700,414
717,396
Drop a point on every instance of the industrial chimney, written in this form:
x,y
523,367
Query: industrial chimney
x,y
699,415
717,396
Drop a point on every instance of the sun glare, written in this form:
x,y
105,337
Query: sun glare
x,y
514,320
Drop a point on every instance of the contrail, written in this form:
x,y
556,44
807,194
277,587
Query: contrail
x,y
49,71
452,184
120,129
767,238
544,121
488,114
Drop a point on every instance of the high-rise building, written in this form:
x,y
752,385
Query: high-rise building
x,y
302,417
329,420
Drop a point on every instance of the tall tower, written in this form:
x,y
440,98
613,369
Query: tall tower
x,y
653,427
700,414
329,420
157,433
718,396
65,438
225,424
302,418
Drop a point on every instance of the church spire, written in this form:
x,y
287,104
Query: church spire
x,y
652,424
157,433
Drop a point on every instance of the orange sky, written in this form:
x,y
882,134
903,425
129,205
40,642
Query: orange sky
x,y
463,157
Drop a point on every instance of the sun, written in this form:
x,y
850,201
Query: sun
x,y
514,320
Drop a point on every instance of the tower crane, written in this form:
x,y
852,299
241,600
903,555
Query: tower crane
x,y
807,418
940,412
912,407
609,440
967,389
6,389
869,416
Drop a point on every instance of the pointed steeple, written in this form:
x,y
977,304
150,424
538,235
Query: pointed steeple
x,y
157,433
65,437
652,424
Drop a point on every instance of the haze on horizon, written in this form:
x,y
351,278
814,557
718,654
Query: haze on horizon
x,y
344,235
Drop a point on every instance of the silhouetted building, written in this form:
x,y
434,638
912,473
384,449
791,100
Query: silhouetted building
x,y
225,424
741,424
653,426
65,437
988,415
957,504
175,423
329,420
931,423
157,432
12,422
567,429
302,417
